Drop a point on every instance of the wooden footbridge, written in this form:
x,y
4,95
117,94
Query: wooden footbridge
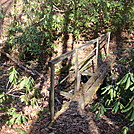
x,y
95,65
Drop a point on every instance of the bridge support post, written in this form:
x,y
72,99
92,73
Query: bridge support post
x,y
77,72
97,54
52,91
108,43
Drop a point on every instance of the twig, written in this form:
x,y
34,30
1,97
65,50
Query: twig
x,y
13,95
14,89
7,85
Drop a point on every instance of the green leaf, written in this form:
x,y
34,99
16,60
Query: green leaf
x,y
108,102
129,114
16,115
128,83
106,89
111,91
108,4
132,88
124,79
20,131
103,110
22,84
98,115
126,110
18,120
24,118
2,95
11,77
121,106
115,107
12,120
125,130
95,107
132,115
132,77
11,111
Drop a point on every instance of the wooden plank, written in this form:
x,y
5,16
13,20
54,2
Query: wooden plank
x,y
66,94
62,57
88,96
78,80
90,82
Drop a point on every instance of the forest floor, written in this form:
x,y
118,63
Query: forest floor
x,y
71,121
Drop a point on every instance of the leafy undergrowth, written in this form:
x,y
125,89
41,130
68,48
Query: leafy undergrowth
x,y
118,96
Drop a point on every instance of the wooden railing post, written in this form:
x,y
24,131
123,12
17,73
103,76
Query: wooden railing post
x,y
77,72
97,53
108,43
52,91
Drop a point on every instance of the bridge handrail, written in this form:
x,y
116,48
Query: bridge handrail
x,y
67,54
77,71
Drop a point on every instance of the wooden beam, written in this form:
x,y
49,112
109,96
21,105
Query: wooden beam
x,y
77,75
87,96
63,93
108,43
97,54
64,56
52,91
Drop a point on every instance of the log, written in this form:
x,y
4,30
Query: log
x,y
33,72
